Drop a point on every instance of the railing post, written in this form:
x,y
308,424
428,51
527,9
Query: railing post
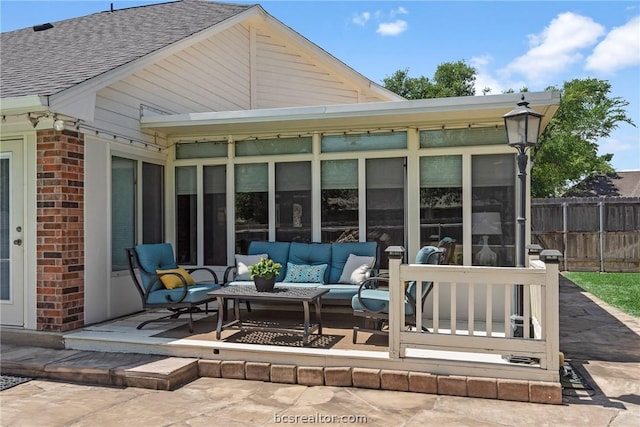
x,y
396,300
551,258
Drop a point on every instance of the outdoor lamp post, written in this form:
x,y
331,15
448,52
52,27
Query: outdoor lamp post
x,y
523,128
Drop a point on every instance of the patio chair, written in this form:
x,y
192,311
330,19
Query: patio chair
x,y
372,300
163,284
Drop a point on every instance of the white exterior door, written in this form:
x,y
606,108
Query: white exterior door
x,y
11,233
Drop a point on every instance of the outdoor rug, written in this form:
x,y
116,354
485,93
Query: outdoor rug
x,y
8,381
283,339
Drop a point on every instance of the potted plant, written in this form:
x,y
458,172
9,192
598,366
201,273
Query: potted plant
x,y
264,274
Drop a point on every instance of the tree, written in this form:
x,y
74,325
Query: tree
x,y
568,148
450,79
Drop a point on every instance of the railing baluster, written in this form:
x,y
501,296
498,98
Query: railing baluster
x,y
526,289
418,312
489,310
453,296
471,316
436,307
508,289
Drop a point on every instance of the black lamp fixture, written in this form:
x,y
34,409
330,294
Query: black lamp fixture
x,y
523,128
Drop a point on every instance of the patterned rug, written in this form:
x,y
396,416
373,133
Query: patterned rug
x,y
283,339
8,381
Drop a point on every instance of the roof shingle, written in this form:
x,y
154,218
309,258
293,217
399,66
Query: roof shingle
x,y
74,50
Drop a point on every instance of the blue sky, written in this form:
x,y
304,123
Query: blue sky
x,y
512,44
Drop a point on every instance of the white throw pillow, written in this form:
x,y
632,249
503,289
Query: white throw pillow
x,y
356,270
242,265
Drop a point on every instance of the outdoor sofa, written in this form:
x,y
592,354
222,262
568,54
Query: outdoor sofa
x,y
339,267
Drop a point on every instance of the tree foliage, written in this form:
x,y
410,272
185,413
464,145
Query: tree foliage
x,y
450,79
568,148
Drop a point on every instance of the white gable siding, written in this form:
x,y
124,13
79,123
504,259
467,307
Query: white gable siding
x,y
287,77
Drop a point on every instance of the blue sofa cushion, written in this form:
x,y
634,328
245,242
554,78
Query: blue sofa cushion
x,y
341,292
277,251
340,253
377,300
311,254
152,257
195,293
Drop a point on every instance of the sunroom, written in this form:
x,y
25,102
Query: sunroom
x,y
400,173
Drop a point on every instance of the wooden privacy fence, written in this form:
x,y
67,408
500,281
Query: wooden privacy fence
x,y
463,330
593,233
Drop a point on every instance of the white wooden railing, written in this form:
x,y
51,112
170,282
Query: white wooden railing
x,y
481,322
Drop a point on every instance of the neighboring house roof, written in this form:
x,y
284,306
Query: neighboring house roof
x,y
621,184
74,50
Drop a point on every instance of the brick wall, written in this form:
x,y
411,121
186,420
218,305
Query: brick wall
x,y
60,239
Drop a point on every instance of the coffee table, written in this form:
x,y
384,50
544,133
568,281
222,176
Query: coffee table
x,y
280,294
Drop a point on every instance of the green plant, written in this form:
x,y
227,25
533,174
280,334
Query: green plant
x,y
266,268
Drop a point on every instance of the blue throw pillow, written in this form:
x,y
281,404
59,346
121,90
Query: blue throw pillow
x,y
301,273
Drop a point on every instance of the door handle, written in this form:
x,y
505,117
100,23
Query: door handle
x,y
17,242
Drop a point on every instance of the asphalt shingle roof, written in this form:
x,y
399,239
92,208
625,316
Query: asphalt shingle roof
x,y
78,49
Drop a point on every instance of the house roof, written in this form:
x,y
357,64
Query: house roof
x,y
75,50
621,184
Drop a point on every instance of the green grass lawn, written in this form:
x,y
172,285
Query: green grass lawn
x,y
621,290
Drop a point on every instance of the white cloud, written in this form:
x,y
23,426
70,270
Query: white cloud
x,y
557,47
392,28
361,18
399,11
619,49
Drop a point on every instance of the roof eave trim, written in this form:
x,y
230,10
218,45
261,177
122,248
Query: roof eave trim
x,y
434,105
23,104
105,79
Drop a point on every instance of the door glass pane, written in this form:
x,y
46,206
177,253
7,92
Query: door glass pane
x,y
186,215
385,203
493,210
293,202
215,215
441,202
252,204
123,210
339,214
152,203
5,261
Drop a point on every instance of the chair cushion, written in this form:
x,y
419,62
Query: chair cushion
x,y
152,257
195,294
303,273
339,291
243,262
277,251
356,270
376,300
170,278
340,252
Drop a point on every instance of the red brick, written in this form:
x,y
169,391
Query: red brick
x,y
421,382
394,380
337,376
513,390
482,387
452,385
545,392
366,378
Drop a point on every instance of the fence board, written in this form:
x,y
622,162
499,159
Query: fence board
x,y
579,239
